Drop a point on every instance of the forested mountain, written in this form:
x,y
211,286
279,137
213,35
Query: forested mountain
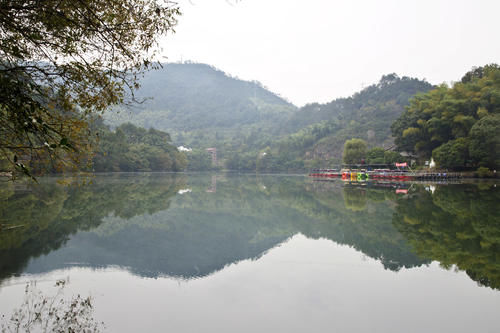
x,y
254,129
322,129
317,132
201,106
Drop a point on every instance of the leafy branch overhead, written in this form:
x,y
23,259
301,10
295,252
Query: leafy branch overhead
x,y
62,62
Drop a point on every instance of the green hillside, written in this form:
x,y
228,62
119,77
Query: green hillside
x,y
253,128
201,106
456,125
314,135
322,129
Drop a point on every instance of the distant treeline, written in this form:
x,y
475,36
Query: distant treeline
x,y
132,148
457,126
314,136
255,130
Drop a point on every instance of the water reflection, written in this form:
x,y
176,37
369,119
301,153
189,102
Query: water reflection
x,y
456,225
39,219
152,226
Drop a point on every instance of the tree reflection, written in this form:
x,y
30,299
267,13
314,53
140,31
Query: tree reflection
x,y
46,215
354,199
458,226
141,222
134,222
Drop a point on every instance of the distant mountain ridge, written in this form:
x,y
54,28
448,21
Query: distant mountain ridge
x,y
205,80
321,129
201,107
193,101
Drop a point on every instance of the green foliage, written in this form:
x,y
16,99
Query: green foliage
x,y
483,172
198,160
370,109
379,155
367,115
484,147
306,137
203,107
452,154
131,148
467,111
391,157
376,156
63,61
354,151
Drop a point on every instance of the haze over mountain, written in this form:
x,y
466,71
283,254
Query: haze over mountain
x,y
196,102
203,107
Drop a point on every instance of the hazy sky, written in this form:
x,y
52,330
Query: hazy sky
x,y
318,50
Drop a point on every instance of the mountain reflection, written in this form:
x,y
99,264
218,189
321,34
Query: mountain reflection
x,y
150,225
38,219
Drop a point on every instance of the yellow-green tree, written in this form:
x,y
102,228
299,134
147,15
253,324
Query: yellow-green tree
x,y
354,151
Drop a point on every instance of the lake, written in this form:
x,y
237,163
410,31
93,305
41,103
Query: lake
x,y
257,253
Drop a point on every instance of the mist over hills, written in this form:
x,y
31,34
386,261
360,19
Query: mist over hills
x,y
201,106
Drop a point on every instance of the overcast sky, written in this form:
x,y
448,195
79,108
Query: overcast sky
x,y
318,50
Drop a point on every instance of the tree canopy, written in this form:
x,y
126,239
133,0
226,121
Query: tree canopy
x,y
354,151
484,141
61,62
456,125
131,148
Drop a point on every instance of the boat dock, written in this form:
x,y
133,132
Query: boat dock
x,y
399,175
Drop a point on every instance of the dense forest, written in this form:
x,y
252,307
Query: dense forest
x,y
201,106
314,135
198,106
254,129
132,148
458,126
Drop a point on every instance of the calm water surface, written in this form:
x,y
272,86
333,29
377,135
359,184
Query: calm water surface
x,y
229,253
